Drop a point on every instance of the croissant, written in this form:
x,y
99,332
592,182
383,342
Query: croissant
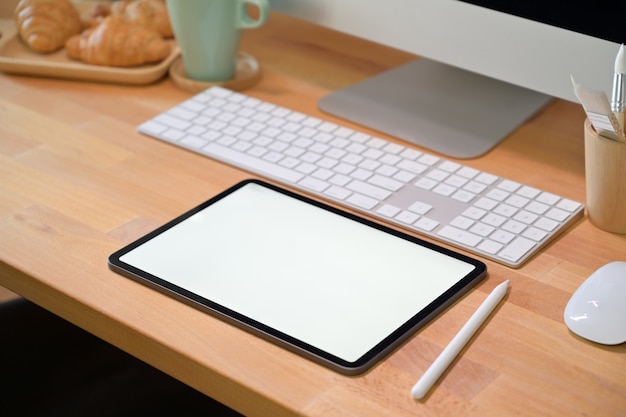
x,y
151,14
45,25
97,13
118,43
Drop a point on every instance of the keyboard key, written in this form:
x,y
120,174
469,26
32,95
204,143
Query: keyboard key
x,y
517,249
362,201
490,246
426,224
548,198
535,234
444,189
482,229
546,224
528,192
173,134
388,210
486,178
502,236
463,196
414,167
152,127
568,205
314,184
369,190
460,236
174,122
557,214
462,222
420,207
474,213
426,183
537,208
337,192
468,172
385,182
428,159
509,186
194,141
407,217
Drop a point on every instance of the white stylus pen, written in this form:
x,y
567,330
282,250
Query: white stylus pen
x,y
432,374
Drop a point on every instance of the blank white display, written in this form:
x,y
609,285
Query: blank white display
x,y
324,279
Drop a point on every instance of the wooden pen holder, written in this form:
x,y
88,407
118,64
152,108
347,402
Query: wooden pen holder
x,y
605,175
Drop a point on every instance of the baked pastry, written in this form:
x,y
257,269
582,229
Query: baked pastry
x,y
45,25
97,13
118,43
151,14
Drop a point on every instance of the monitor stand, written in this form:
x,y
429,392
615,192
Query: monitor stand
x,y
445,109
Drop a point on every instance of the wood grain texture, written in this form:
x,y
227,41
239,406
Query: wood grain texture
x,y
77,182
605,168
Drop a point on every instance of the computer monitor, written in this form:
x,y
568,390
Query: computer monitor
x,y
486,66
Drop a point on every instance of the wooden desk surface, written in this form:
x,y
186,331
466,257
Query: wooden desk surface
x,y
77,182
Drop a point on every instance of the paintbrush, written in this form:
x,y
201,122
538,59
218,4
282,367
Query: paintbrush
x,y
599,113
618,95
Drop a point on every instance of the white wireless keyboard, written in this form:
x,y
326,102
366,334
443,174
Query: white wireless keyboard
x,y
473,210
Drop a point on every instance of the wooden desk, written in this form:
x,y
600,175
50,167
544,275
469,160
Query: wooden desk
x,y
77,182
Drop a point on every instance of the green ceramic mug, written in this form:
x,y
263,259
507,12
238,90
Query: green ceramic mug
x,y
208,32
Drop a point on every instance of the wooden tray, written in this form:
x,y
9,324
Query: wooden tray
x,y
17,58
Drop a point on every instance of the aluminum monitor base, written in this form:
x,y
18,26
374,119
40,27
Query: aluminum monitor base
x,y
445,109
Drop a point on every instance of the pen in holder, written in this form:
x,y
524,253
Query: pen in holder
x,y
605,174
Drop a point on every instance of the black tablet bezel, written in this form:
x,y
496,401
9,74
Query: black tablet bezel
x,y
340,365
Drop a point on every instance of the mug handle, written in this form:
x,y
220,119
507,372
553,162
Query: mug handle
x,y
245,21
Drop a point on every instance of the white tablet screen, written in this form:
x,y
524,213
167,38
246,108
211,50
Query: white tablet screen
x,y
321,278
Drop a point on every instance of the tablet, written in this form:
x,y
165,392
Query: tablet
x,y
336,288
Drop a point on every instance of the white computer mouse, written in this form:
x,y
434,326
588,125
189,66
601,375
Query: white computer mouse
x,y
597,310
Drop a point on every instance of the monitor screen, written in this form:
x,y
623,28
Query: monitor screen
x,y
603,19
